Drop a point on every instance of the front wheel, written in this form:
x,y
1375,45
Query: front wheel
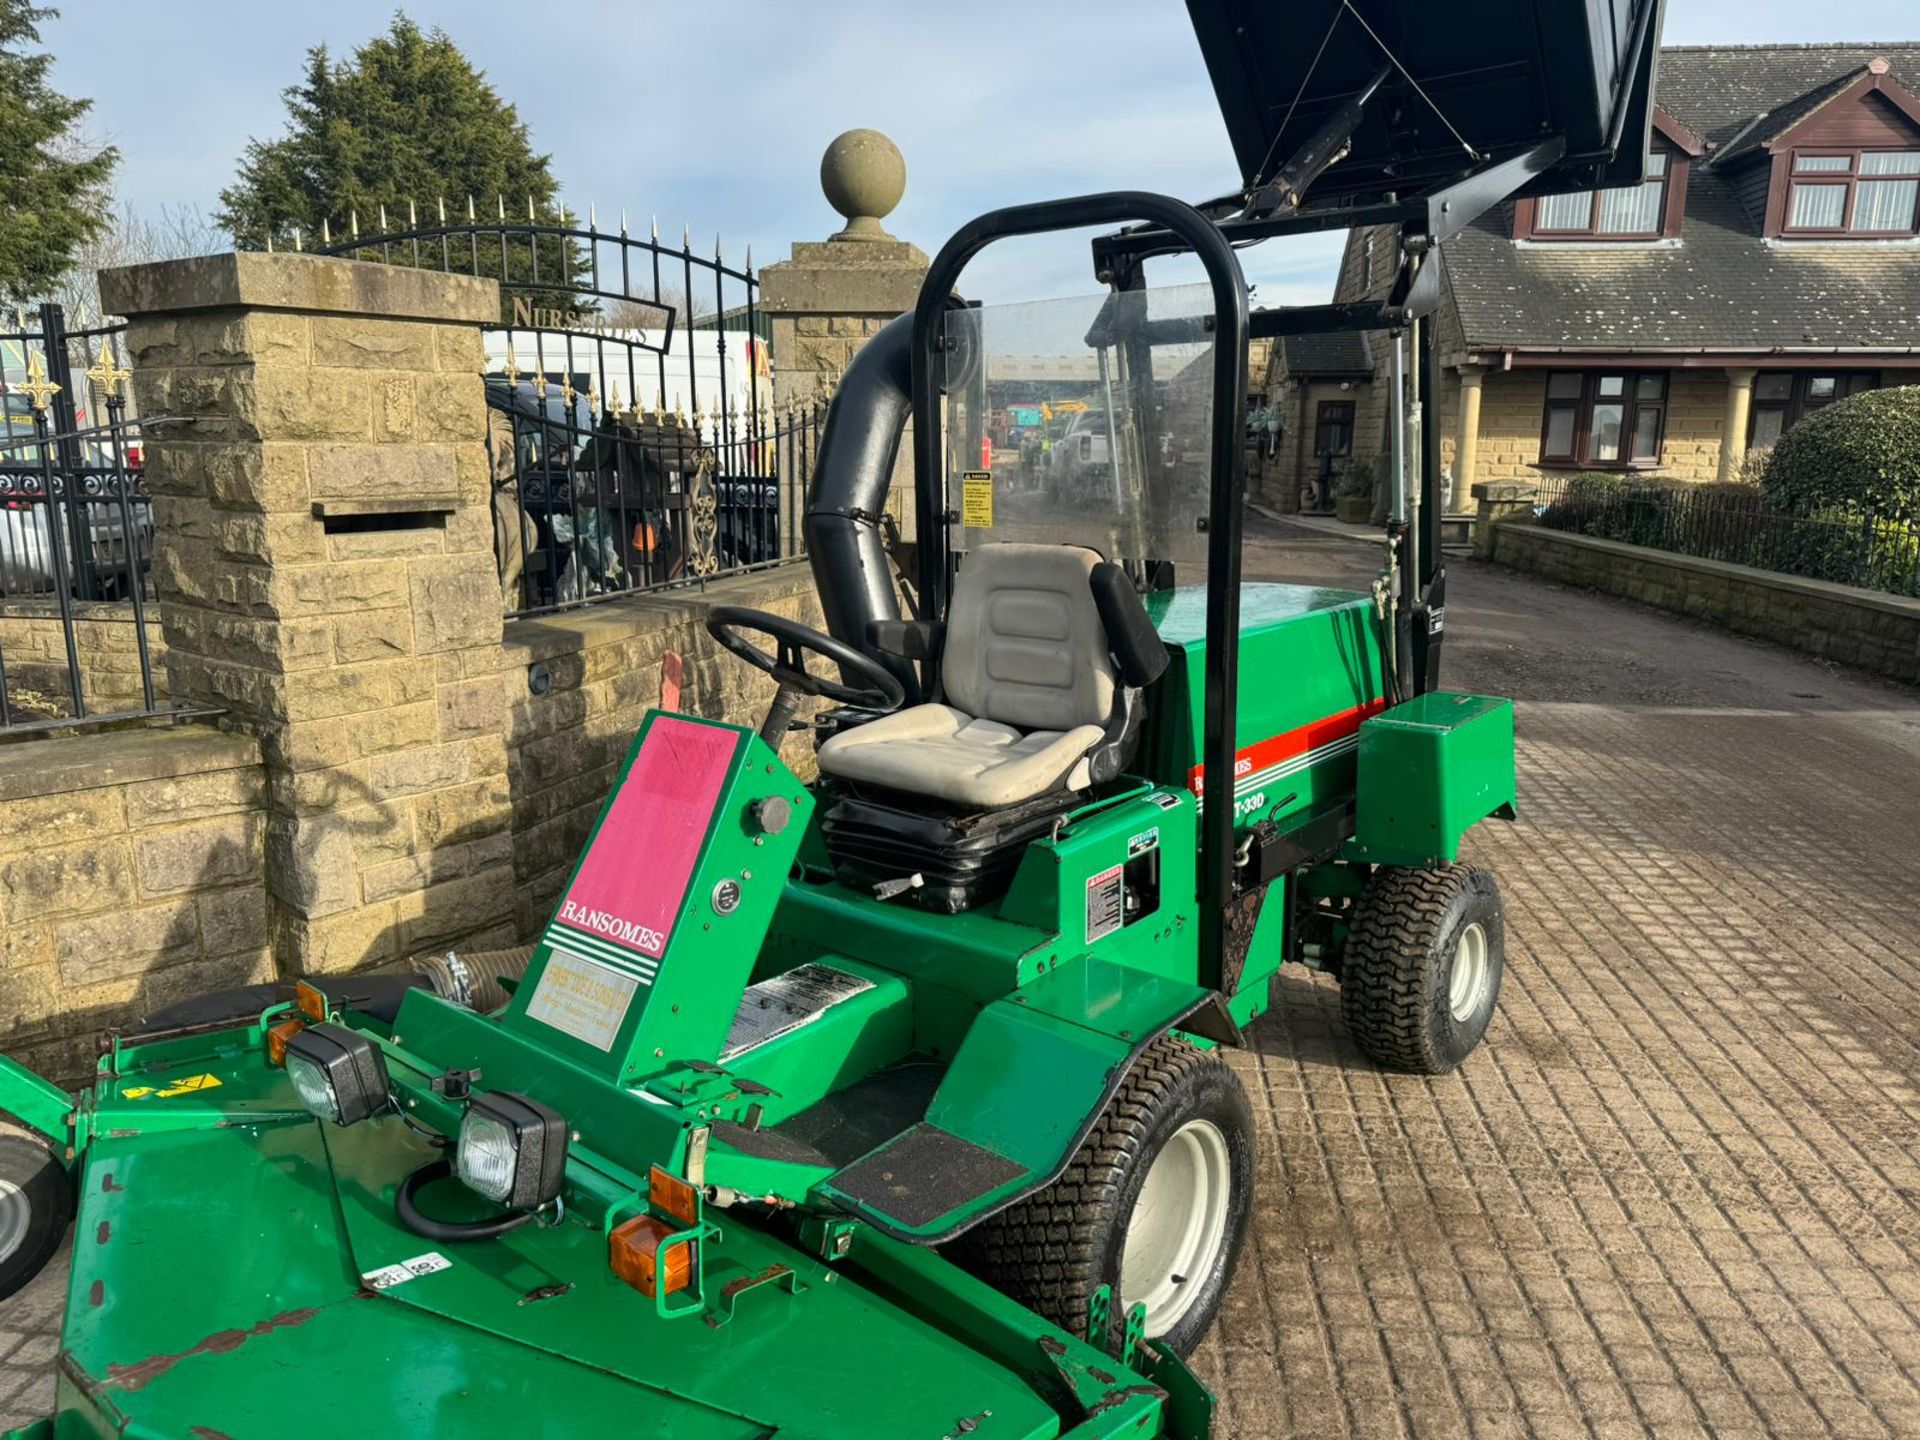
x,y
36,1204
1421,972
1154,1205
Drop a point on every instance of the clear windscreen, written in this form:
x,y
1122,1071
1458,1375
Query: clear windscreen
x,y
1085,420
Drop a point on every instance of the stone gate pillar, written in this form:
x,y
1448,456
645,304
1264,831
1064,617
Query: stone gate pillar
x,y
323,559
831,295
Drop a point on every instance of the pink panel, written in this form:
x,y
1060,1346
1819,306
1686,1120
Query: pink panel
x,y
634,878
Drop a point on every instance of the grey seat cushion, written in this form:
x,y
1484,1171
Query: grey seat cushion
x,y
1029,680
945,753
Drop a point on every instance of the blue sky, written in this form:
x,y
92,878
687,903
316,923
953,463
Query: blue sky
x,y
714,114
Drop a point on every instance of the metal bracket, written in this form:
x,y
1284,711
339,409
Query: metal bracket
x,y
1100,1317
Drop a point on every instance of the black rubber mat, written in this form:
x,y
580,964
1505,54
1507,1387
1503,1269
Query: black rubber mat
x,y
924,1174
847,1124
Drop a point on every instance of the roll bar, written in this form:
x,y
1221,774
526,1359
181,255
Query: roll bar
x,y
1198,235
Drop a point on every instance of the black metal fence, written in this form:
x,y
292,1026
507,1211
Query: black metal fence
x,y
1735,524
592,502
635,441
76,524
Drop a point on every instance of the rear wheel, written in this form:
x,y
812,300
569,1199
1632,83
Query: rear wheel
x,y
1154,1204
1421,972
36,1204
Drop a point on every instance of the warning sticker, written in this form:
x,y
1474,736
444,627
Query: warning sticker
x,y
1143,842
976,499
582,998
1106,897
389,1276
185,1085
1165,799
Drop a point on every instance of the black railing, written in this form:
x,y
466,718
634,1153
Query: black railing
x,y
78,529
1735,523
635,442
590,503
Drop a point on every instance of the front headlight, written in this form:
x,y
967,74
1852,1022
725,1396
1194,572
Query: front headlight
x,y
339,1074
512,1150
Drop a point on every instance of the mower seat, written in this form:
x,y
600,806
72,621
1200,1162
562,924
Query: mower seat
x,y
1029,681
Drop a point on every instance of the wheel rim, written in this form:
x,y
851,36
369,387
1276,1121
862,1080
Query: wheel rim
x,y
1178,1226
1472,971
15,1213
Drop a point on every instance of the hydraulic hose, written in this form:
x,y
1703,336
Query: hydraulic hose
x,y
448,1232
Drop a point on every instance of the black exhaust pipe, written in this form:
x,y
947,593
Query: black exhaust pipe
x,y
858,447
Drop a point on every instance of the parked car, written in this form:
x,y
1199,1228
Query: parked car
x,y
27,547
1081,464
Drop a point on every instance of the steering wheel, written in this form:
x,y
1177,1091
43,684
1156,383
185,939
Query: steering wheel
x,y
874,687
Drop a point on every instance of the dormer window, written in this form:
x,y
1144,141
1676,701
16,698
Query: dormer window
x,y
1855,193
1631,212
1650,210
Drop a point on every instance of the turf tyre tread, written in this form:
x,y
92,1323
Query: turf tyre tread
x,y
1393,980
1049,1250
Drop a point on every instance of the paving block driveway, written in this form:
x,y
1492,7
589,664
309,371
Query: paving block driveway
x,y
1677,1192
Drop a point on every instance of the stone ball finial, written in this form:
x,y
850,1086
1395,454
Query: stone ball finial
x,y
864,176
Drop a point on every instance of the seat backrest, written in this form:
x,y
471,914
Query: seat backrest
x,y
1025,645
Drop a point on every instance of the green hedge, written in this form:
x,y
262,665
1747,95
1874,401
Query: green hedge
x,y
1860,455
1740,523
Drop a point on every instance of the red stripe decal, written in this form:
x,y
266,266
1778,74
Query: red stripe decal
x,y
1277,749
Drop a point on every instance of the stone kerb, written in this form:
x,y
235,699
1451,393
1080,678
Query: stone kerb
x,y
324,566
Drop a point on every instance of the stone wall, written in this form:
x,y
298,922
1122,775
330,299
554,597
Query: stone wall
x,y
33,644
130,877
323,559
604,669
1875,632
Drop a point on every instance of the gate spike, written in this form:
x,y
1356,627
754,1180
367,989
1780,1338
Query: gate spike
x,y
383,217
593,218
656,229
353,219
326,231
531,214
686,238
413,217
297,245
749,259
623,221
269,239
470,215
501,200
440,208
716,247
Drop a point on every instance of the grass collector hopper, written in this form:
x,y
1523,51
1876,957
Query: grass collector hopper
x,y
894,1105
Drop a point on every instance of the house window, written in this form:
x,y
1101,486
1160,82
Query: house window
x,y
1857,192
1781,399
1333,428
1630,212
1602,419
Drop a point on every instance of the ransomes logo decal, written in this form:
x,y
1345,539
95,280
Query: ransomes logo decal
x,y
601,922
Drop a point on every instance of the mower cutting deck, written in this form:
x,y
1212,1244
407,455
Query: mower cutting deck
x,y
895,1104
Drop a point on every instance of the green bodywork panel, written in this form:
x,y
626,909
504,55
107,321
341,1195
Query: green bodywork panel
x,y
226,1247
1430,770
1310,669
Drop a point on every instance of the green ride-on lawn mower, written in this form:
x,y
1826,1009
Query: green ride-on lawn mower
x,y
894,1105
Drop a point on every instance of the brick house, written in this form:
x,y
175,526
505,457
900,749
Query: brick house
x,y
1768,265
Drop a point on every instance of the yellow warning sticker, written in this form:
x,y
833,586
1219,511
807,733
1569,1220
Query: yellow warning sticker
x,y
136,1092
189,1085
976,499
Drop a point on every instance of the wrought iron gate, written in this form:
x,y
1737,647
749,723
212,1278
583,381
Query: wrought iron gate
x,y
634,440
76,524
